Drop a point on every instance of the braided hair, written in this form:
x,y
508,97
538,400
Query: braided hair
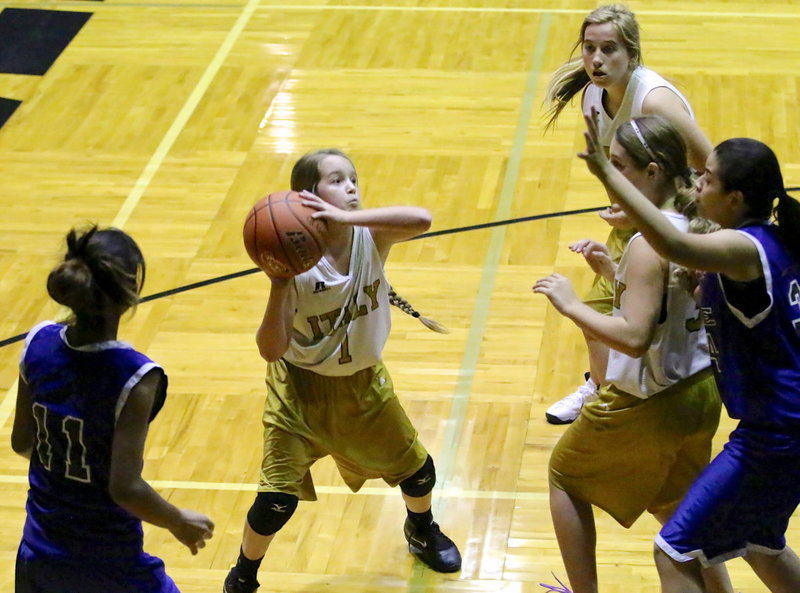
x,y
402,304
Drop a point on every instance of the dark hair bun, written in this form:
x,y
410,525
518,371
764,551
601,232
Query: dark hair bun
x,y
71,284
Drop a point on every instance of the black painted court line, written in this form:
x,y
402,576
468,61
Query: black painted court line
x,y
31,39
463,229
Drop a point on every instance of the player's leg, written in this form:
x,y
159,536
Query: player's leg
x,y
382,442
268,514
284,479
573,521
676,576
715,578
694,412
425,540
779,572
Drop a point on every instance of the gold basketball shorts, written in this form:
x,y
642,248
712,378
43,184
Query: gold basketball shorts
x,y
626,455
357,420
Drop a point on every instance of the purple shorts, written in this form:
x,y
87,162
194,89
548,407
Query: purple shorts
x,y
38,574
742,501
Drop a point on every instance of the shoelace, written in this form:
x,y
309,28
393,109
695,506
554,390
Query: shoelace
x,y
562,589
434,535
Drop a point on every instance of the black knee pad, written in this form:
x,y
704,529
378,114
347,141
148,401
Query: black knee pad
x,y
422,482
271,511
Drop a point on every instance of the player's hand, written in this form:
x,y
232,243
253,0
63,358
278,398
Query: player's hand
x,y
278,281
594,155
324,210
559,290
193,529
690,281
597,256
616,217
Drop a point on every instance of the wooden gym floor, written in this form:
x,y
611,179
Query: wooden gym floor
x,y
169,118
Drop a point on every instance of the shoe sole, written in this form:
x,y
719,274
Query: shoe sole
x,y
418,553
556,420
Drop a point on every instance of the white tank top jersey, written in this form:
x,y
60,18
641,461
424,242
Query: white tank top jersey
x,y
342,321
679,348
642,81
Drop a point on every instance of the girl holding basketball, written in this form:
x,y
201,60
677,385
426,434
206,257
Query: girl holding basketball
x,y
742,503
84,403
322,334
610,75
660,405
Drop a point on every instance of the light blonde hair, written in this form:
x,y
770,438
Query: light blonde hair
x,y
570,78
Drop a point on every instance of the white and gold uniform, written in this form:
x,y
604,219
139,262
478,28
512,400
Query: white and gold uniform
x,y
342,321
331,394
679,348
641,444
642,81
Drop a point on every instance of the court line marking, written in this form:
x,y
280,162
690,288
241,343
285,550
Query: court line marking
x,y
480,313
454,425
464,9
366,491
157,158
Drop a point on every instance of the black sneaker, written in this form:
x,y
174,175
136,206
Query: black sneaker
x,y
433,547
235,583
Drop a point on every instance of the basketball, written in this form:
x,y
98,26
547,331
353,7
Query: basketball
x,y
281,237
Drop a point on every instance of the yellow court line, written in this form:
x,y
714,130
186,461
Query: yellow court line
x,y
183,115
368,491
524,10
327,7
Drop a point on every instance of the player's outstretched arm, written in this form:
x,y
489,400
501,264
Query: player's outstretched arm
x,y
726,252
126,485
388,224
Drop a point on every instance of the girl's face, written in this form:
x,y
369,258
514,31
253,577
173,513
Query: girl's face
x,y
643,179
338,183
712,198
605,57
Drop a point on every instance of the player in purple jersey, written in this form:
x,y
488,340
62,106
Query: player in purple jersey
x,y
84,404
742,503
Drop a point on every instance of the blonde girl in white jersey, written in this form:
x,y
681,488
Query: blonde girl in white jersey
x,y
322,334
639,446
611,77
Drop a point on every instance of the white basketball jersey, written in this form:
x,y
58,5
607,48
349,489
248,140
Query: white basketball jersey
x,y
642,81
679,348
342,321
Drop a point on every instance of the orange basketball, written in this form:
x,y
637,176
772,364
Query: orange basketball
x,y
281,237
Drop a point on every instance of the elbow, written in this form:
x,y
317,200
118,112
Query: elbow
x,y
672,248
635,351
22,448
122,491
424,219
270,350
635,347
269,355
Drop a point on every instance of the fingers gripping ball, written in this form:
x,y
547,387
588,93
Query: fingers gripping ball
x,y
281,237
